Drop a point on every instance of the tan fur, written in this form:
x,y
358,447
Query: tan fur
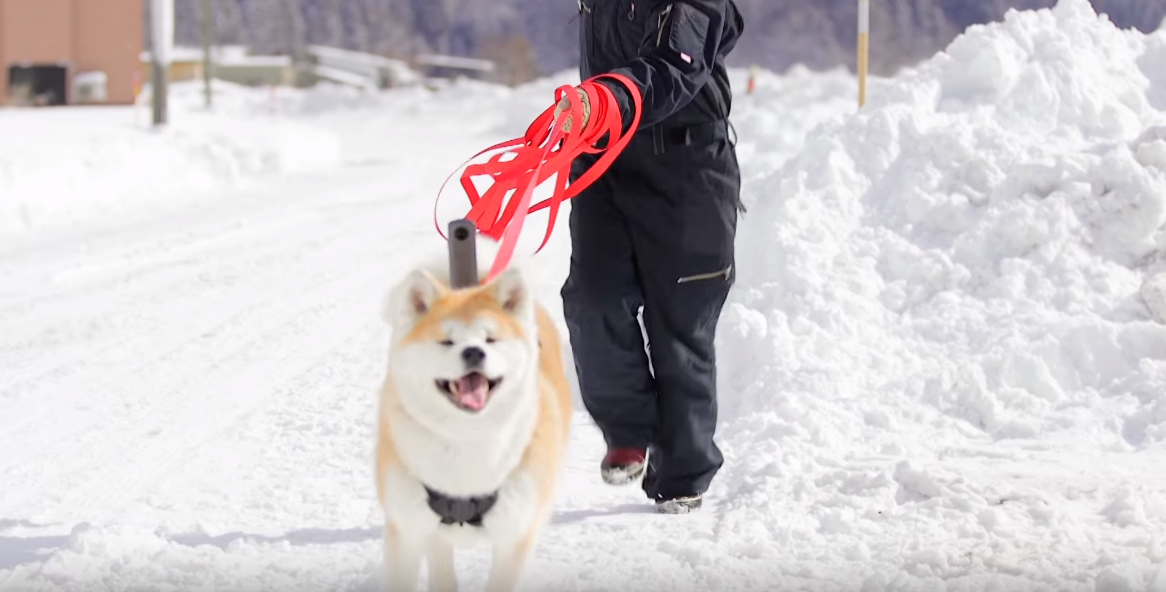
x,y
550,435
544,454
549,443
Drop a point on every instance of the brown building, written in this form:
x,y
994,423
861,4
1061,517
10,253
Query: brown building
x,y
69,51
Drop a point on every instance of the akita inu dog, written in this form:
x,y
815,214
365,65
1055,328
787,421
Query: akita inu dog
x,y
474,418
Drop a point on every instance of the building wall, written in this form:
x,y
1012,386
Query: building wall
x,y
103,35
38,31
3,60
108,37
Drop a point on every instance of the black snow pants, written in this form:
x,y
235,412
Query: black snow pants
x,y
656,232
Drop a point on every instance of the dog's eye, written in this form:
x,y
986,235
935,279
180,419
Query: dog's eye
x,y
490,340
447,342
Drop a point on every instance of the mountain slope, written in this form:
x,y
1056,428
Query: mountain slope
x,y
780,33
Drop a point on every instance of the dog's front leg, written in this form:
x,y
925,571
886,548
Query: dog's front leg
x,y
442,577
514,523
509,560
403,556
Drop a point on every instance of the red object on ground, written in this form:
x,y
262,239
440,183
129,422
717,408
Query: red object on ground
x,y
536,159
625,457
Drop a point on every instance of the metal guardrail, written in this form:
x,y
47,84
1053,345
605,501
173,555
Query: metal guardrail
x,y
454,62
364,70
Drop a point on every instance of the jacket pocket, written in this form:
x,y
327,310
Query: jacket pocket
x,y
587,39
682,32
725,274
629,22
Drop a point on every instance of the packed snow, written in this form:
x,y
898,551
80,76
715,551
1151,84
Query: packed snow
x,y
943,366
61,168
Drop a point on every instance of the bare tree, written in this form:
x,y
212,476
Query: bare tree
x,y
513,57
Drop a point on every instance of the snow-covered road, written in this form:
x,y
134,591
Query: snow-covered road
x,y
209,374
939,372
188,393
188,388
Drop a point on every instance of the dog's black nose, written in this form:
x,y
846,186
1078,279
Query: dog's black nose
x,y
473,356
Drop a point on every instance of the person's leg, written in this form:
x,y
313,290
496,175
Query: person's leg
x,y
601,301
684,225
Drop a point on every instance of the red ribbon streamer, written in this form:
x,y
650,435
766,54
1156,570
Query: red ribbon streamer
x,y
536,159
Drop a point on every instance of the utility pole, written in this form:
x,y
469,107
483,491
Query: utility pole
x,y
863,48
162,31
208,32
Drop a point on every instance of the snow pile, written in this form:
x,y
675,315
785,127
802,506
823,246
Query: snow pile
x,y
62,167
963,278
772,123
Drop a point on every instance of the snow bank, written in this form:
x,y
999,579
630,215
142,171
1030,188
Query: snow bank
x,y
61,167
967,274
772,124
91,555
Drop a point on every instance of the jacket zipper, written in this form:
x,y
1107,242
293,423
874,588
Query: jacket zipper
x,y
726,272
660,24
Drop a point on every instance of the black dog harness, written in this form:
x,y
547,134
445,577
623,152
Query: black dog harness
x,y
461,510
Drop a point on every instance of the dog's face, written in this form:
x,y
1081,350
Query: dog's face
x,y
463,360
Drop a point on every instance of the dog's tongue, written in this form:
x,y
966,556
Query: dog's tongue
x,y
472,391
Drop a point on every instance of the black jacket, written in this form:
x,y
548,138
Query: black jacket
x,y
673,50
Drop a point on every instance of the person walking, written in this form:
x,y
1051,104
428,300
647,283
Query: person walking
x,y
653,241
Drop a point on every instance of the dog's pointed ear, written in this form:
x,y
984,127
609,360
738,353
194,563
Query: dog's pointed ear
x,y
413,298
513,291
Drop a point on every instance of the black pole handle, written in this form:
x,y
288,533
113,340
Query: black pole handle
x,y
463,254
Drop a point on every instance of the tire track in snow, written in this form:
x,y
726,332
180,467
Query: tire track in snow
x,y
158,322
93,325
90,279
291,304
259,364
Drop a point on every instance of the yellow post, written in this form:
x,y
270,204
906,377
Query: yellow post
x,y
863,48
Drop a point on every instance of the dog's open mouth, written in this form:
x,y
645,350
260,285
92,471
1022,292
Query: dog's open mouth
x,y
470,392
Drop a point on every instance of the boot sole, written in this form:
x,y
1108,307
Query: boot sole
x,y
685,506
622,475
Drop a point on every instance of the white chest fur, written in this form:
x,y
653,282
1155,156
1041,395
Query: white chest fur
x,y
466,467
